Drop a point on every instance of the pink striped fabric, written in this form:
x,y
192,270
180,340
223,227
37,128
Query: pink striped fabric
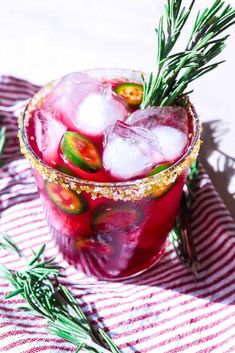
x,y
166,309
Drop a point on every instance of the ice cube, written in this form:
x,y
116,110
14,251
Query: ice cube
x,y
171,140
149,118
168,124
86,104
68,93
97,112
130,151
48,134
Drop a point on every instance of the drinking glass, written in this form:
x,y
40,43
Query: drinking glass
x,y
123,228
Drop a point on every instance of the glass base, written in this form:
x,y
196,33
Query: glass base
x,y
153,262
87,263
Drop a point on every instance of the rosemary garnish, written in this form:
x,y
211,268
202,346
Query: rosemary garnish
x,y
181,234
176,71
39,286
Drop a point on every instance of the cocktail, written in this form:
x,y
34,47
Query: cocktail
x,y
111,148
111,178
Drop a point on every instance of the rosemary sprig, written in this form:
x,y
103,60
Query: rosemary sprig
x,y
176,71
39,286
181,234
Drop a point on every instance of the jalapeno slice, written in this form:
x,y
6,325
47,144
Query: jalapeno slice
x,y
131,92
65,199
159,168
117,215
81,151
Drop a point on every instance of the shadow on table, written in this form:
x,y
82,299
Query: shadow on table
x,y
222,174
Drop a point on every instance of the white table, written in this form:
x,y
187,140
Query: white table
x,y
42,40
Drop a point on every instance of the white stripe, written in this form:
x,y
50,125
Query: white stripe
x,y
208,206
29,238
26,213
14,96
214,228
206,196
13,201
22,209
167,312
212,256
180,327
18,164
171,302
229,345
210,216
23,347
15,84
189,340
24,227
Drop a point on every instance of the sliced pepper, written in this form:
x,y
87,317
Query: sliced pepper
x,y
161,192
131,92
81,151
117,215
65,199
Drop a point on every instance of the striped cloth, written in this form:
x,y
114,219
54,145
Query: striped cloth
x,y
166,309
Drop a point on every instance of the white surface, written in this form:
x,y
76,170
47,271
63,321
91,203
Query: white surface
x,y
42,40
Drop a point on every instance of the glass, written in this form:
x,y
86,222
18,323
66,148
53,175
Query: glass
x,y
123,229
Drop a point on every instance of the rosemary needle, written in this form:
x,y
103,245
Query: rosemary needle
x,y
8,244
2,141
2,138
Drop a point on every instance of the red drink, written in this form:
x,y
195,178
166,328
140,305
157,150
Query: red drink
x,y
109,216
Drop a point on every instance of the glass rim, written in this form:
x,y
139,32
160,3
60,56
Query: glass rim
x,y
52,174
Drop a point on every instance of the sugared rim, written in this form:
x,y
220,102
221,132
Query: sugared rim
x,y
127,190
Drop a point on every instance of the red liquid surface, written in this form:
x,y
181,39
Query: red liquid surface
x,y
108,239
